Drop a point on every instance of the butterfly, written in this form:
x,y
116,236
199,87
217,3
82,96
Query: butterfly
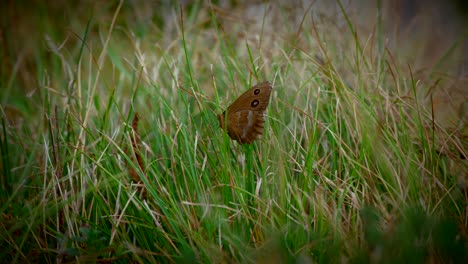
x,y
244,118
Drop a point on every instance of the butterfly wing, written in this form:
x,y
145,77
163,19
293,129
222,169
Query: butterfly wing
x,y
245,118
245,125
259,93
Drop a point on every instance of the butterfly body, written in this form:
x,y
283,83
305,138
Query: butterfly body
x,y
244,118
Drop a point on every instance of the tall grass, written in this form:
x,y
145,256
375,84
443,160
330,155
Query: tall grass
x,y
351,167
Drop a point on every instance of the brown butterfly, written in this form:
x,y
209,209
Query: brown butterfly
x,y
245,116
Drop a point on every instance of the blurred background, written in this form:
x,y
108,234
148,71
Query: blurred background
x,y
429,36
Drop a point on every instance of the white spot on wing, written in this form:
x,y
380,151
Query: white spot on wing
x,y
249,124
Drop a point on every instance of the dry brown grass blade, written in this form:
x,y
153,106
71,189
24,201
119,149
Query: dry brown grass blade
x,y
135,139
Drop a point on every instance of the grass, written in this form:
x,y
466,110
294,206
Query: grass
x,y
352,167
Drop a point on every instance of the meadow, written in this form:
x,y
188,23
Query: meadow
x,y
111,150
